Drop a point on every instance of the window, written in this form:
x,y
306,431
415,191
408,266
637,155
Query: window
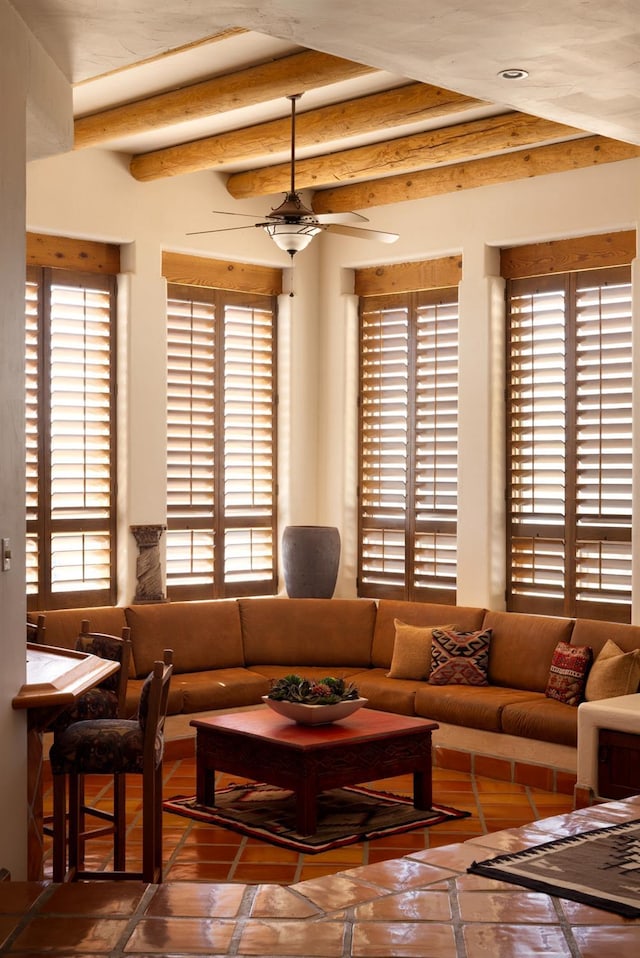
x,y
221,455
408,444
70,437
569,432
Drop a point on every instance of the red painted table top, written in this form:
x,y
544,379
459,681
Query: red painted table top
x,y
267,725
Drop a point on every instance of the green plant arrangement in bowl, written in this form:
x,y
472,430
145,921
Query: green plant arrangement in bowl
x,y
312,702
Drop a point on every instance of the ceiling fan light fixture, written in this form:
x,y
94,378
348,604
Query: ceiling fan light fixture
x,y
292,237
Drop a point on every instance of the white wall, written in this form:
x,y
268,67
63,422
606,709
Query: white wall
x,y
91,194
27,78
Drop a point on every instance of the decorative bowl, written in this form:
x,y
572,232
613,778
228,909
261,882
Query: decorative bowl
x,y
306,714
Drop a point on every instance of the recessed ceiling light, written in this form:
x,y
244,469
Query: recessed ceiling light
x,y
514,73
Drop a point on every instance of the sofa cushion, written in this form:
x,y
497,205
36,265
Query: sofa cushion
x,y
314,672
134,688
323,632
596,634
385,694
63,625
412,651
613,673
542,718
221,689
475,706
568,673
459,658
203,635
415,613
522,647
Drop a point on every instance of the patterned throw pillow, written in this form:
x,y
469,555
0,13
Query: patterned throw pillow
x,y
412,651
568,673
459,658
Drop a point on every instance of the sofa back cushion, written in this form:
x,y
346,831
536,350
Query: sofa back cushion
x,y
282,631
62,626
522,648
203,635
463,618
594,633
617,672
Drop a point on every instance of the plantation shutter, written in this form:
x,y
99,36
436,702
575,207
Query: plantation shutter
x,y
408,445
221,441
249,442
436,444
191,353
384,446
569,444
34,431
603,441
70,437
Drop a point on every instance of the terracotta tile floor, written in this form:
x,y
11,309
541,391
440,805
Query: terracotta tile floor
x,y
394,898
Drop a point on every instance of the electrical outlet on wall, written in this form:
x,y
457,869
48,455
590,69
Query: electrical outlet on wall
x,y
5,555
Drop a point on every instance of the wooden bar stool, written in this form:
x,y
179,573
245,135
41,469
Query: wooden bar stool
x,y
106,700
115,747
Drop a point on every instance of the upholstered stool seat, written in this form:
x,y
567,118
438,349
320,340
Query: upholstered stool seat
x,y
97,747
116,747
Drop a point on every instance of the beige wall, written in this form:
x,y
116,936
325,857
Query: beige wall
x,y
96,197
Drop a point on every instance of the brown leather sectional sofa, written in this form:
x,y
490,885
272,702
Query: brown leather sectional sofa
x,y
227,651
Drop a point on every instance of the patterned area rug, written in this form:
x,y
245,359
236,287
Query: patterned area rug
x,y
599,867
345,815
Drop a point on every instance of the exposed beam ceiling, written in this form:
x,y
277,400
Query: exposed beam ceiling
x,y
265,81
364,136
375,113
404,155
522,164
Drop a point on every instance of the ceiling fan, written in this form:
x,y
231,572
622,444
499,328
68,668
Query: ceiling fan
x,y
292,226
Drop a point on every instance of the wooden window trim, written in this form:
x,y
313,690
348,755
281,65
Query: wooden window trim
x,y
186,270
568,255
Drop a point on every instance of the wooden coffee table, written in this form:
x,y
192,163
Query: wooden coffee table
x,y
263,746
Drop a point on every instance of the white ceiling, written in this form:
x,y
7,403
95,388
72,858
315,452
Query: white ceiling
x,y
582,55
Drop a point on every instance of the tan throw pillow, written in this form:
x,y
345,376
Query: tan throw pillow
x,y
613,673
412,651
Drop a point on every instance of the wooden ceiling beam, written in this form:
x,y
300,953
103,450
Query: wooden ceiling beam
x,y
374,112
403,155
521,164
296,73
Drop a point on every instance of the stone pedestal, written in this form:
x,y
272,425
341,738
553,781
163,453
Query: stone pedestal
x,y
148,568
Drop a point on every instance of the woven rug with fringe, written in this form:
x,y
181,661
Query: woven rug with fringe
x,y
344,815
600,867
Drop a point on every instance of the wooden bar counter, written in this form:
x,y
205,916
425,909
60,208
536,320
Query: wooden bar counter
x,y
55,678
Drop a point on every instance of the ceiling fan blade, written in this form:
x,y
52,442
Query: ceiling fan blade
x,y
224,229
362,234
344,218
251,216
